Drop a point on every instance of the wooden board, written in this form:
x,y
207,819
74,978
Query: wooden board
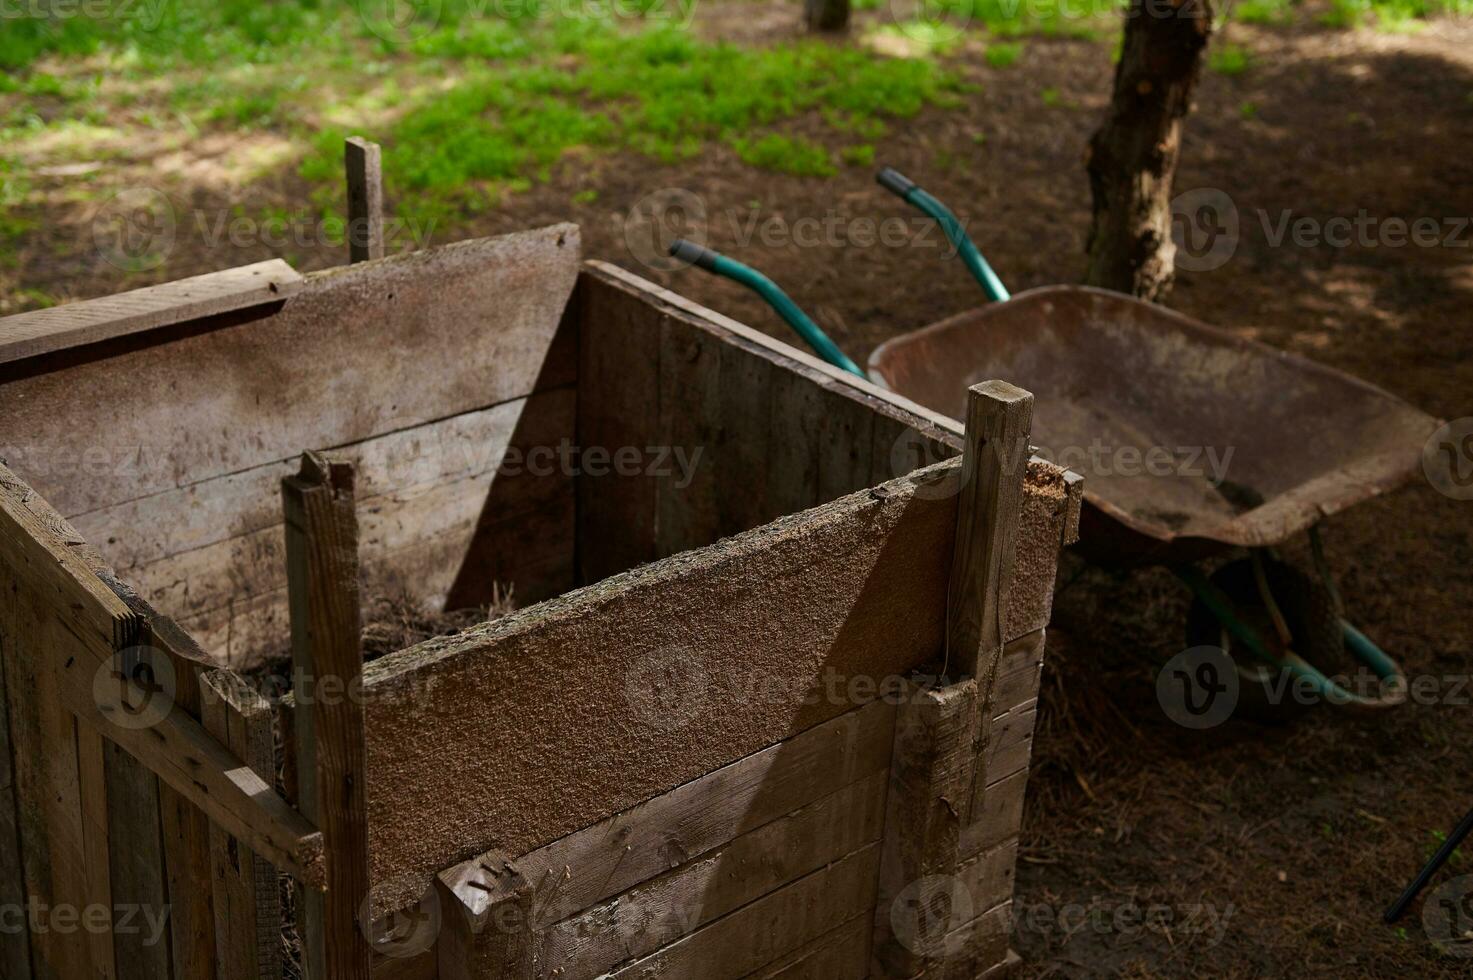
x,y
852,589
410,339
15,946
769,929
447,509
655,913
27,335
617,853
771,431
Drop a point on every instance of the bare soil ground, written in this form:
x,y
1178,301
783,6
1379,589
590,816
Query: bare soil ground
x,y
1274,849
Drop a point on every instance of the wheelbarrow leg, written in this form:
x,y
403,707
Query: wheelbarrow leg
x,y
1398,908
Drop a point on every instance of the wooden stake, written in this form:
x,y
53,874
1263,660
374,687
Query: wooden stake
x,y
327,658
994,465
365,200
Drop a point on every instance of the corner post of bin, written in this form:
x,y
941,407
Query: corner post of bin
x,y
363,162
328,725
989,507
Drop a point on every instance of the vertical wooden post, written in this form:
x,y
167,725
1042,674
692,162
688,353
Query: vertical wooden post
x,y
365,200
246,899
918,907
327,659
494,940
994,465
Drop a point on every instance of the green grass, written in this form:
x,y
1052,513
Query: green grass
x,y
859,156
1001,55
1392,15
1229,59
1276,12
490,100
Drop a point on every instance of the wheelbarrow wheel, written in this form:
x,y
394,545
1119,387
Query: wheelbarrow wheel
x,y
1267,693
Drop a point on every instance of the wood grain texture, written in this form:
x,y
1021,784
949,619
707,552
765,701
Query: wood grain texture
x,y
445,510
769,929
412,338
633,687
247,900
27,335
657,912
137,866
931,774
616,854
328,727
15,946
365,174
999,419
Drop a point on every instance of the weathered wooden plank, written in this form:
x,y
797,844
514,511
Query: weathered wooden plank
x,y
534,544
26,335
328,727
453,506
618,405
977,946
414,337
495,940
247,900
690,422
15,945
1000,815
768,929
614,855
994,465
59,612
842,954
365,173
988,877
930,780
658,912
829,592
1007,742
139,888
136,534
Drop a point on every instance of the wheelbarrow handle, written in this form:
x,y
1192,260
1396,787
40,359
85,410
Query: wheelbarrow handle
x,y
715,262
911,193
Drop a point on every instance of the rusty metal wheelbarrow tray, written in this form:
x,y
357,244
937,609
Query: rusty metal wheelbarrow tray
x,y
1193,441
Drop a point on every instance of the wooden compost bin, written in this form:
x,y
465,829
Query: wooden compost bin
x,y
765,713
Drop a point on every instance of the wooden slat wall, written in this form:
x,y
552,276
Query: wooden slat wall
x,y
469,329
99,829
776,431
759,622
757,867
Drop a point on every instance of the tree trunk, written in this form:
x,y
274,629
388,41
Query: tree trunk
x,y
826,15
1132,158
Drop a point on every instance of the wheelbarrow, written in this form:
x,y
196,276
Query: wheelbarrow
x,y
1194,443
